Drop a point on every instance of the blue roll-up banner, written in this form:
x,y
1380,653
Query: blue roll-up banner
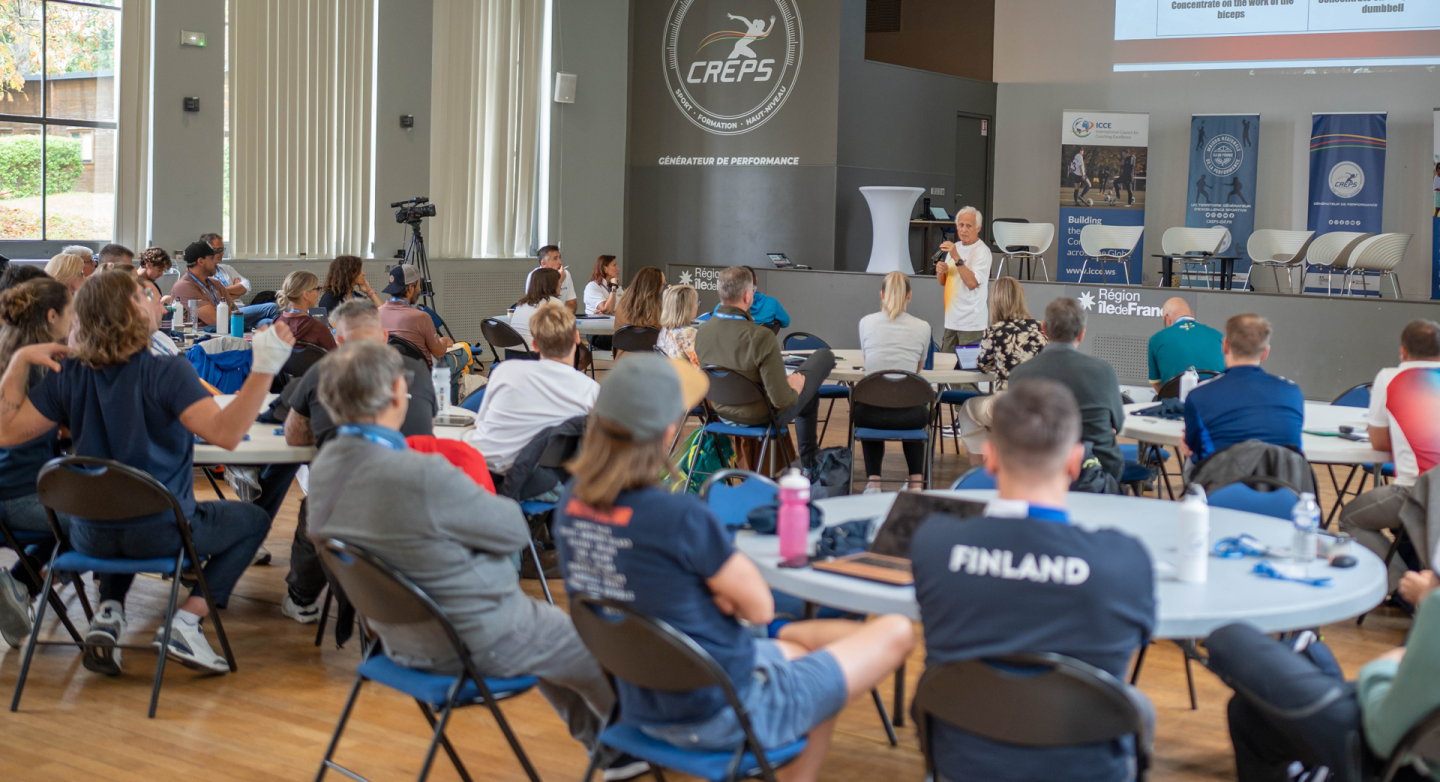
x,y
1220,191
1347,172
1102,180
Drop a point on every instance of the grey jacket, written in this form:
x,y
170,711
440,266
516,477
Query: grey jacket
x,y
1096,389
1421,515
1254,458
430,521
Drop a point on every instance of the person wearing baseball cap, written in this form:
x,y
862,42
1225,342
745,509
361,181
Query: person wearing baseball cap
x,y
624,536
200,283
403,319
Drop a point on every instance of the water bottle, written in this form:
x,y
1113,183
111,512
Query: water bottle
x,y
793,521
237,324
1188,381
1306,517
222,319
177,318
1193,559
440,376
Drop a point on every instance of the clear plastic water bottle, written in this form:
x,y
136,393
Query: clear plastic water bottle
x,y
440,376
1192,563
1306,517
1188,381
793,521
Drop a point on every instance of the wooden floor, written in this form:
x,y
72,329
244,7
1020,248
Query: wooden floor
x,y
272,719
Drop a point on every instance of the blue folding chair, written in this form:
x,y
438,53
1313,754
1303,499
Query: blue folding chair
x,y
1243,496
974,478
732,503
729,387
799,340
649,653
472,402
84,487
384,595
894,389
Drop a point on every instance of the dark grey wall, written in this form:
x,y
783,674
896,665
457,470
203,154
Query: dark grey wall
x,y
897,127
402,156
188,159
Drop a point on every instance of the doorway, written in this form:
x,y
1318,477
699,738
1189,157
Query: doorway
x,y
972,164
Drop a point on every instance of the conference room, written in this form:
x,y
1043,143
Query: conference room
x,y
719,389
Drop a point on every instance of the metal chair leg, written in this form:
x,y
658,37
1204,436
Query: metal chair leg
x,y
885,718
32,640
1139,662
540,570
445,742
169,626
900,696
326,762
324,617
514,742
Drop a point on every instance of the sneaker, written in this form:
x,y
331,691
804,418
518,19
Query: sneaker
x,y
872,490
16,615
625,766
304,613
189,647
262,557
102,654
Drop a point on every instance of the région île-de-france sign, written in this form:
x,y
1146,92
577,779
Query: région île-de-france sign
x,y
730,65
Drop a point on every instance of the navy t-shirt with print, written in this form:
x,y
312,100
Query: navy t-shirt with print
x,y
993,586
655,550
129,413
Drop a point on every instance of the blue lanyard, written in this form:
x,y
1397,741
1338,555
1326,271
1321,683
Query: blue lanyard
x,y
380,437
726,315
394,299
204,287
292,309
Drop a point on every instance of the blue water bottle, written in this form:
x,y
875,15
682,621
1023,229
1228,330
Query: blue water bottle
x,y
237,324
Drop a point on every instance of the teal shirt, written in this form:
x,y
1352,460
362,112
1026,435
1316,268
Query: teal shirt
x,y
1184,343
1395,696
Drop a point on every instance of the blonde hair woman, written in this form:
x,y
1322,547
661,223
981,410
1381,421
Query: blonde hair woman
x,y
1012,338
297,295
68,270
893,339
678,310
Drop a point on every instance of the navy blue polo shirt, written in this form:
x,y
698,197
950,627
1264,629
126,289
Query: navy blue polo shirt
x,y
993,586
1243,403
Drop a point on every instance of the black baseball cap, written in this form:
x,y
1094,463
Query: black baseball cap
x,y
401,277
197,250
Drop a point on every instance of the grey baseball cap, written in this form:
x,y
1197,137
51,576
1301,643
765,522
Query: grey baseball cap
x,y
401,277
645,393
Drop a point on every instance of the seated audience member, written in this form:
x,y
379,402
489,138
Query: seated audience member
x,y
549,256
603,291
1100,610
448,535
524,398
161,343
154,262
893,339
122,402
643,301
86,256
544,286
1011,339
68,270
765,311
1294,706
297,295
17,273
1183,343
1244,402
309,423
677,311
345,281
31,313
623,536
113,254
200,284
1091,380
733,341
1403,406
403,319
225,274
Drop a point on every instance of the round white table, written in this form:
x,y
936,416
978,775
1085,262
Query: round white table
x,y
1319,417
592,327
850,368
1185,611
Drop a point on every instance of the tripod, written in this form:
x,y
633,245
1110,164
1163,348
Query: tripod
x,y
416,256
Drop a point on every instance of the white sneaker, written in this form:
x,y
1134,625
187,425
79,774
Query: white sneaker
x,y
102,654
308,613
189,647
16,615
872,490
262,557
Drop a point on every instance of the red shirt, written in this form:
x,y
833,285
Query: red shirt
x,y
460,454
308,329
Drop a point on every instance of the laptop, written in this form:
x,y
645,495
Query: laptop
x,y
969,357
939,213
888,560
780,261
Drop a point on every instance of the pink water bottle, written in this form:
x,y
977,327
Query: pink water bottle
x,y
793,522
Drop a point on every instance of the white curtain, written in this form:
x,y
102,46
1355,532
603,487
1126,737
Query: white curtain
x,y
485,97
132,143
300,105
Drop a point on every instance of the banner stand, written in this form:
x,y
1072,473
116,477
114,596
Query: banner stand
x,y
1220,191
1103,169
1347,178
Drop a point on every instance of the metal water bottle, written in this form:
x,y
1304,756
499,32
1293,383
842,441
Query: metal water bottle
x,y
237,324
1188,381
1305,514
793,521
222,319
1192,562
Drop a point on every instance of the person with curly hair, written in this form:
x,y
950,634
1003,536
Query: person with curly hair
x,y
345,281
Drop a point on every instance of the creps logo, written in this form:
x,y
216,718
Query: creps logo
x,y
1347,179
731,64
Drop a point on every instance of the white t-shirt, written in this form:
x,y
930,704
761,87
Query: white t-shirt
x,y
1077,164
520,321
966,309
228,276
1414,411
567,286
893,344
595,295
522,399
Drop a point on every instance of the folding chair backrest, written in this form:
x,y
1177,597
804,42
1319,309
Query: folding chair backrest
x,y
102,490
892,389
378,591
559,450
1030,700
1359,396
974,478
635,339
1243,497
1170,389
302,357
728,387
732,502
799,340
502,335
645,652
407,348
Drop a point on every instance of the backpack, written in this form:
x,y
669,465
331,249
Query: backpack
x,y
700,463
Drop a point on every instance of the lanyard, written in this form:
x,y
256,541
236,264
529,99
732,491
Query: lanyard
x,y
204,287
352,430
727,315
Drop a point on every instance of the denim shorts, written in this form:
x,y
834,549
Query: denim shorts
x,y
786,700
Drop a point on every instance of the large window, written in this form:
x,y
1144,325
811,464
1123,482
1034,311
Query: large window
x,y
57,119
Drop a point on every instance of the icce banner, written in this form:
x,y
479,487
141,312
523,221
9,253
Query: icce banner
x,y
1102,180
1347,172
1221,186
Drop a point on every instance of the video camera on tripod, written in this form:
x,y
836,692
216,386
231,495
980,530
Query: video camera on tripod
x,y
410,212
413,210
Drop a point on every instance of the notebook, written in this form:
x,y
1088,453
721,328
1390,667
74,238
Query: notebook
x,y
888,560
